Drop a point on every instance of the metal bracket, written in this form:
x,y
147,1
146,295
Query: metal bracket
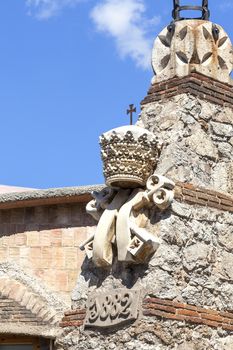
x,y
177,9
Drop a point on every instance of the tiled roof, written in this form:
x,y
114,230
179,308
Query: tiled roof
x,y
14,197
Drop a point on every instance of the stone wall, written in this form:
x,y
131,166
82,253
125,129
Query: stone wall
x,y
152,334
186,289
191,270
192,265
197,140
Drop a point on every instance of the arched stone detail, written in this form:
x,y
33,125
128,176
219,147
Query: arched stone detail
x,y
26,297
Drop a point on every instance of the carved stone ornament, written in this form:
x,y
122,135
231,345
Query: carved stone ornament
x,y
192,46
129,155
112,308
115,210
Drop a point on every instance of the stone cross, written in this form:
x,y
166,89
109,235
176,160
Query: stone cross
x,y
130,111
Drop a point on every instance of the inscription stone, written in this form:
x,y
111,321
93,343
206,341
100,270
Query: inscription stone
x,y
112,308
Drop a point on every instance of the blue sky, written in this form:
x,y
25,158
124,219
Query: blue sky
x,y
68,70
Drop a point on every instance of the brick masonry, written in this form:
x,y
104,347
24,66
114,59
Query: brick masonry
x,y
191,194
153,307
74,318
44,241
195,84
18,303
11,311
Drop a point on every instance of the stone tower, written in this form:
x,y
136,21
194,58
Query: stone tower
x,y
158,273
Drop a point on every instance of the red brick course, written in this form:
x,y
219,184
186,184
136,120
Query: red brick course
x,y
73,318
195,84
71,324
188,313
188,193
166,309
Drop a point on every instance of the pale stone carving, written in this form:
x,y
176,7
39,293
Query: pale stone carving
x,y
96,208
135,243
129,155
102,244
112,308
192,46
118,223
100,202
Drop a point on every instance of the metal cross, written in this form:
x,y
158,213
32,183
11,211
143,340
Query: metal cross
x,y
130,111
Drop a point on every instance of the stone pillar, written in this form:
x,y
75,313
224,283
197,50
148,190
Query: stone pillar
x,y
194,117
190,104
181,296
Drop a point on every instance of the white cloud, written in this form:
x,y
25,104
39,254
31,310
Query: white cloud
x,y
44,9
125,21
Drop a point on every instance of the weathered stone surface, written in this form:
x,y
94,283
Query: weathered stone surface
x,y
221,129
225,149
220,177
225,266
220,115
161,284
192,45
225,237
225,344
201,144
193,263
109,309
166,257
196,256
161,335
196,138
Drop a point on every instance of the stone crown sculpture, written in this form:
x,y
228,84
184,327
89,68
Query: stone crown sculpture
x,y
129,155
192,46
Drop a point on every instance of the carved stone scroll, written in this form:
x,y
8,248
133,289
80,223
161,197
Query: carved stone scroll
x,y
102,244
112,308
96,208
123,229
118,224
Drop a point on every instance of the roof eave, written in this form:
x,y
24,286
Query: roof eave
x,y
48,197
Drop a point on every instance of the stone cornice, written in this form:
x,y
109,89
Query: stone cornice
x,y
195,84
